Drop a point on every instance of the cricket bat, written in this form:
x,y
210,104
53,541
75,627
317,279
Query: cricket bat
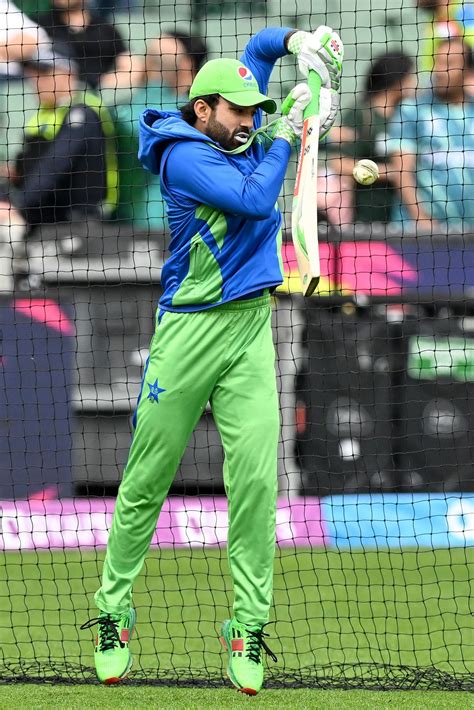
x,y
304,220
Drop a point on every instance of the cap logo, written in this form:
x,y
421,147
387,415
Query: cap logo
x,y
245,74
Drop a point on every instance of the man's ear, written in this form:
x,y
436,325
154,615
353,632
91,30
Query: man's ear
x,y
202,111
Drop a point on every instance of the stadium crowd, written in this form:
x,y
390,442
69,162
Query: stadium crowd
x,y
78,158
415,118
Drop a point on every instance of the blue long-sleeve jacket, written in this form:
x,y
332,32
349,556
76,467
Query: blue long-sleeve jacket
x,y
224,221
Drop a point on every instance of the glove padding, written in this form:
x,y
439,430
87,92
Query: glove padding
x,y
329,102
321,51
290,125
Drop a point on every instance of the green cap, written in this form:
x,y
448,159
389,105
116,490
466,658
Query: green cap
x,y
233,81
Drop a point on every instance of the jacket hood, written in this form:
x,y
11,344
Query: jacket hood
x,y
157,130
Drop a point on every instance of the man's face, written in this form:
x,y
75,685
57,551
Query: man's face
x,y
230,125
449,70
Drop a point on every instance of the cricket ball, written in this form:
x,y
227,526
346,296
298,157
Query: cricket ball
x,y
365,172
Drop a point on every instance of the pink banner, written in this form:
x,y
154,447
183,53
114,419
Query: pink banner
x,y
184,522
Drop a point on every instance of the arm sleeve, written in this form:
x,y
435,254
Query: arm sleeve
x,y
199,173
402,130
260,56
262,52
52,172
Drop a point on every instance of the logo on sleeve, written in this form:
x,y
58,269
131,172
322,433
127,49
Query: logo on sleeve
x,y
154,392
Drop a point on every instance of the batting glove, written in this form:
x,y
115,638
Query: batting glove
x,y
321,51
329,102
290,125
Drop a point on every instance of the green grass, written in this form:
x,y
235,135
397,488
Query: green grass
x,y
409,608
97,698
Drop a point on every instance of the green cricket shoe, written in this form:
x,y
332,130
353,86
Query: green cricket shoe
x,y
112,656
244,646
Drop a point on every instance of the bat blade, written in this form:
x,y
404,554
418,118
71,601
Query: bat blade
x,y
304,221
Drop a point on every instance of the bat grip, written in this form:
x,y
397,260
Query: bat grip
x,y
314,83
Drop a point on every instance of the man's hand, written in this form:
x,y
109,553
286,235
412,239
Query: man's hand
x,y
290,125
322,51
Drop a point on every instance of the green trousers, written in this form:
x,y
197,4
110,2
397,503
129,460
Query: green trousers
x,y
224,356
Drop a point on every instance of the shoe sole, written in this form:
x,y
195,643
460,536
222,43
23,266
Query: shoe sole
x,y
114,681
246,691
119,679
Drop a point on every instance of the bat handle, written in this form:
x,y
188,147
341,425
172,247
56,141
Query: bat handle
x,y
314,83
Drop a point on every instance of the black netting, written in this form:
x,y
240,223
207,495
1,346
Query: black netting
x,y
375,371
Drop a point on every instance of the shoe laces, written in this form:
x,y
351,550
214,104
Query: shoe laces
x,y
254,645
108,631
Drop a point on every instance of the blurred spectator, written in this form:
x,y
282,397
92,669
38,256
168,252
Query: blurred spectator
x,y
67,168
20,38
431,142
108,8
172,61
96,45
363,135
12,234
448,18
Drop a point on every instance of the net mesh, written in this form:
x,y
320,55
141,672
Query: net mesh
x,y
374,567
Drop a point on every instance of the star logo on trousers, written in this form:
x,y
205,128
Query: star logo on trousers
x,y
155,391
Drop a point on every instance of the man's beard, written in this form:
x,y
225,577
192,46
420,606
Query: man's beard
x,y
220,134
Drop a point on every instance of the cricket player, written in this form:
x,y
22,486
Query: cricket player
x,y
213,338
